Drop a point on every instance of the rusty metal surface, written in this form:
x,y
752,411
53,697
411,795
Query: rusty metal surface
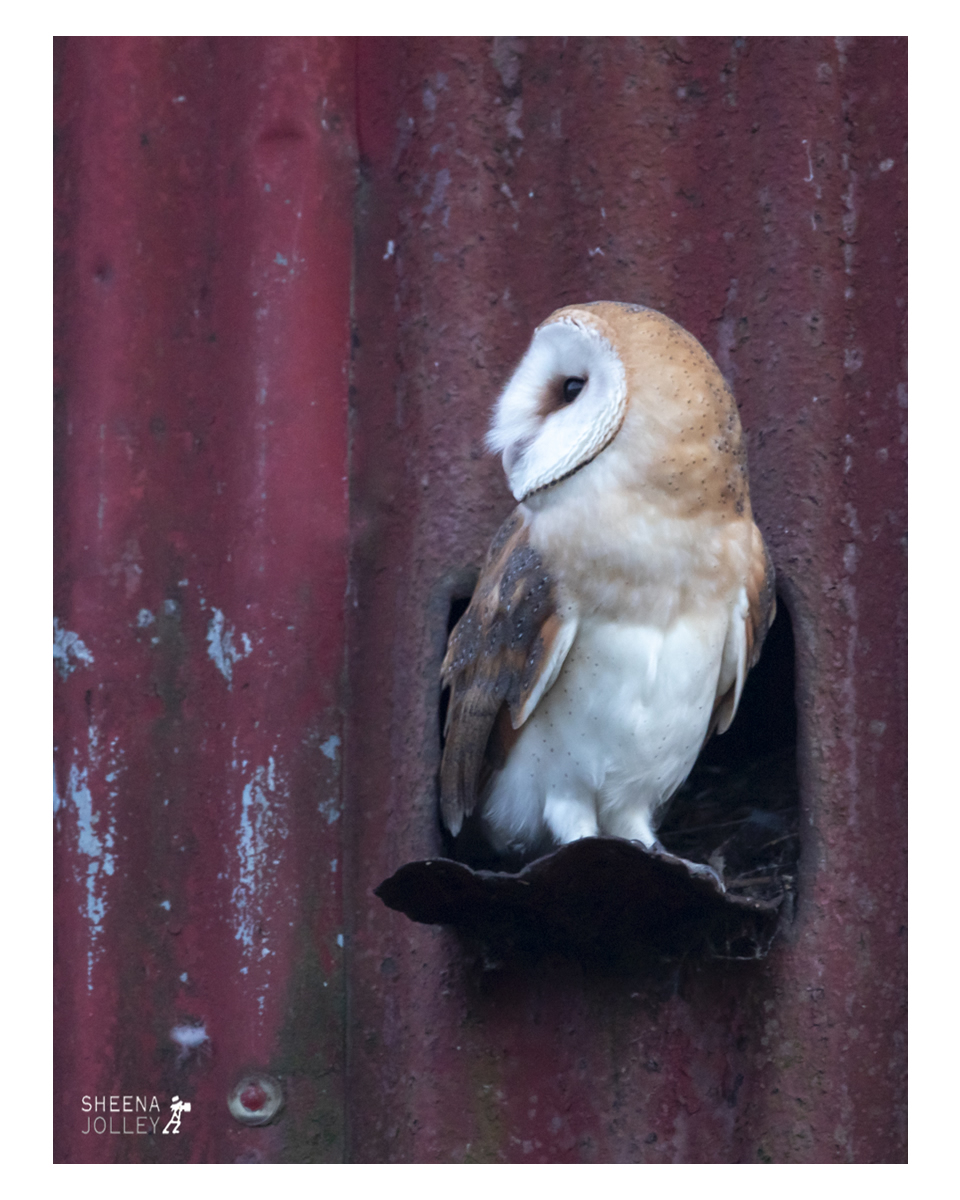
x,y
755,190
203,275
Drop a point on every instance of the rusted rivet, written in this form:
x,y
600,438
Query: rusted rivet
x,y
253,1097
256,1099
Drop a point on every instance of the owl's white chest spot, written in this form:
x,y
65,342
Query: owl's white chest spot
x,y
613,739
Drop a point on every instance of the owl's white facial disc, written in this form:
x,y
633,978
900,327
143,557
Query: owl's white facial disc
x,y
542,435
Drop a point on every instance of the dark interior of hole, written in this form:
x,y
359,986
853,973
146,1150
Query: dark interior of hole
x,y
739,808
766,720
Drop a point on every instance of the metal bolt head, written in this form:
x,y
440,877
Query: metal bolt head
x,y
255,1099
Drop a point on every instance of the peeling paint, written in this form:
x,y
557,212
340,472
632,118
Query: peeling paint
x,y
329,809
330,746
221,646
190,1039
67,644
97,849
260,823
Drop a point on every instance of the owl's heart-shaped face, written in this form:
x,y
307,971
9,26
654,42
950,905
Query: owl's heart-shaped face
x,y
563,405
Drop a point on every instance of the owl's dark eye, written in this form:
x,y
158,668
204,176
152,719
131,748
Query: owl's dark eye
x,y
572,388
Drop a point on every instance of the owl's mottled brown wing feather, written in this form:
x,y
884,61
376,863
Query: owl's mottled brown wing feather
x,y
505,651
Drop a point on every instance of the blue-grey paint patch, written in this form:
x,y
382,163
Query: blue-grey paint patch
x,y
96,847
221,648
67,646
330,746
329,809
260,826
144,618
280,260
189,1039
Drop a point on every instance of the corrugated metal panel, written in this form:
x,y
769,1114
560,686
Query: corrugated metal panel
x,y
752,189
204,239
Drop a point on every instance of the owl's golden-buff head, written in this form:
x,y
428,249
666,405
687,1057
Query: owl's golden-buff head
x,y
621,391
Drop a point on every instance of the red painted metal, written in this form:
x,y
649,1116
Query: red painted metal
x,y
752,189
204,254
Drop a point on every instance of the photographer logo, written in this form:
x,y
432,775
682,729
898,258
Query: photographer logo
x,y
130,1114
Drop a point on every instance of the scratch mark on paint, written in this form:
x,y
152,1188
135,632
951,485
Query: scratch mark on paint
x,y
806,146
66,645
221,648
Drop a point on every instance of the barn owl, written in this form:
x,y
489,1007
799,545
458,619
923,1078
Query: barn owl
x,y
622,603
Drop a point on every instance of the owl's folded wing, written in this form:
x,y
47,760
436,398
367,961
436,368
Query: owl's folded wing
x,y
504,654
749,623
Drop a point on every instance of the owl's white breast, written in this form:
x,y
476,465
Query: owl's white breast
x,y
615,736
